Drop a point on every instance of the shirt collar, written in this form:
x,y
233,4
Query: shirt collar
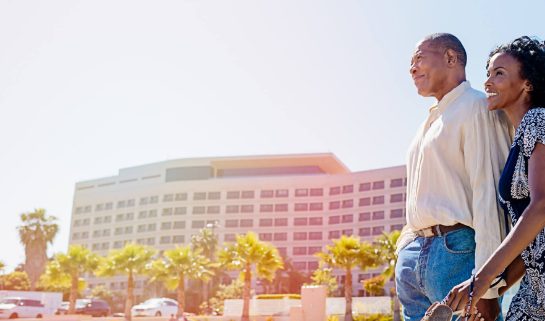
x,y
450,97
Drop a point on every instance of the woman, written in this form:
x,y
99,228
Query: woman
x,y
516,85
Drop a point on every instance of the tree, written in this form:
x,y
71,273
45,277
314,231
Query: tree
x,y
230,291
2,267
176,266
35,233
323,275
16,281
207,242
346,254
245,253
131,260
375,285
70,266
386,248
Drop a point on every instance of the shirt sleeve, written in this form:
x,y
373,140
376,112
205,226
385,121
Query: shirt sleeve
x,y
486,141
534,130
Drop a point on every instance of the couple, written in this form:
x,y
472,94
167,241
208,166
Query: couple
x,y
451,249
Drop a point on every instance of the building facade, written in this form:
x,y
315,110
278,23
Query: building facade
x,y
299,203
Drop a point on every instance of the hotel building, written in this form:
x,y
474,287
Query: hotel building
x,y
299,203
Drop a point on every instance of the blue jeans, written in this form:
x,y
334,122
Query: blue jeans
x,y
428,268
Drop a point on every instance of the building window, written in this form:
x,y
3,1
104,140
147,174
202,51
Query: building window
x,y
119,217
315,221
336,190
167,211
314,249
396,198
300,221
267,193
301,207
152,227
229,237
181,197
377,230
179,225
348,203
231,223
213,209
168,197
128,229
396,227
120,204
281,207
231,209
300,236
129,216
313,265
397,182
214,195
348,232
378,200
198,210
142,214
180,211
334,205
248,194
118,244
178,239
282,193
334,220
197,224
266,222
300,250
348,218
365,187
199,196
301,192
398,212
302,266
280,222
348,189
365,231
247,209
280,236
151,241
106,232
164,240
99,207
265,236
105,246
108,206
166,226
316,206
98,220
246,223
141,228
334,235
231,195
265,208
96,233
378,215
316,192
152,213
366,201
378,185
315,236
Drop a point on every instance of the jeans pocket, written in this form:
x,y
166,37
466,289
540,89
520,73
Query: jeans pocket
x,y
461,241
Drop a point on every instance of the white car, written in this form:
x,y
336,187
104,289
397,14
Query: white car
x,y
15,307
155,307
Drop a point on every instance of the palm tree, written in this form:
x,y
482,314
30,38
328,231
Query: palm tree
x,y
386,245
207,242
243,255
179,264
323,275
36,231
346,254
70,266
130,260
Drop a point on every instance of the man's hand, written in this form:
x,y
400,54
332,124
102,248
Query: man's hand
x,y
489,309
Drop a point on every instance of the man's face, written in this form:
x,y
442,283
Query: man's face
x,y
429,70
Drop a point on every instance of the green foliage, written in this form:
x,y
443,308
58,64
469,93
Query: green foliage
x,y
386,248
278,296
373,317
324,276
332,318
16,281
132,258
37,227
230,291
375,285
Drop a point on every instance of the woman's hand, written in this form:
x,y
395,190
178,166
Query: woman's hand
x,y
458,297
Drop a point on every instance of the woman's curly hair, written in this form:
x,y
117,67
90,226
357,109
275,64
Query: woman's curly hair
x,y
530,53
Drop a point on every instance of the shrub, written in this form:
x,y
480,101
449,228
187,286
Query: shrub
x,y
278,296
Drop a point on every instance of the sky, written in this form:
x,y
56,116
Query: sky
x,y
90,87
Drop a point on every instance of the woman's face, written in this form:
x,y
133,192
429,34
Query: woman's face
x,y
505,87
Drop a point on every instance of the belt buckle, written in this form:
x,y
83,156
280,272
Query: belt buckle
x,y
428,232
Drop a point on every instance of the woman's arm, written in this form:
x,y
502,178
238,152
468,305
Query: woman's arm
x,y
531,222
514,272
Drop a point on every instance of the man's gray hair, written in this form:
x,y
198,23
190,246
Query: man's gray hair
x,y
449,41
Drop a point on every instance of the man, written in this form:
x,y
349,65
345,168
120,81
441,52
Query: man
x,y
453,220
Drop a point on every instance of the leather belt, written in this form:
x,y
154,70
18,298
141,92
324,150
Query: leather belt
x,y
438,230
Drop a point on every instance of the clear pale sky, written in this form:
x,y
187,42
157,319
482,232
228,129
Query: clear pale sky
x,y
89,87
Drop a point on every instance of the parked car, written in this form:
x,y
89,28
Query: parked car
x,y
16,307
155,307
94,307
63,308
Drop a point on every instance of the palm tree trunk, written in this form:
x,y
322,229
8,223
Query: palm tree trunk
x,y
73,293
35,261
397,305
246,293
348,295
181,295
128,301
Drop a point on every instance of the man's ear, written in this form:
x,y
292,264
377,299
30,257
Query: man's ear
x,y
451,57
528,86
